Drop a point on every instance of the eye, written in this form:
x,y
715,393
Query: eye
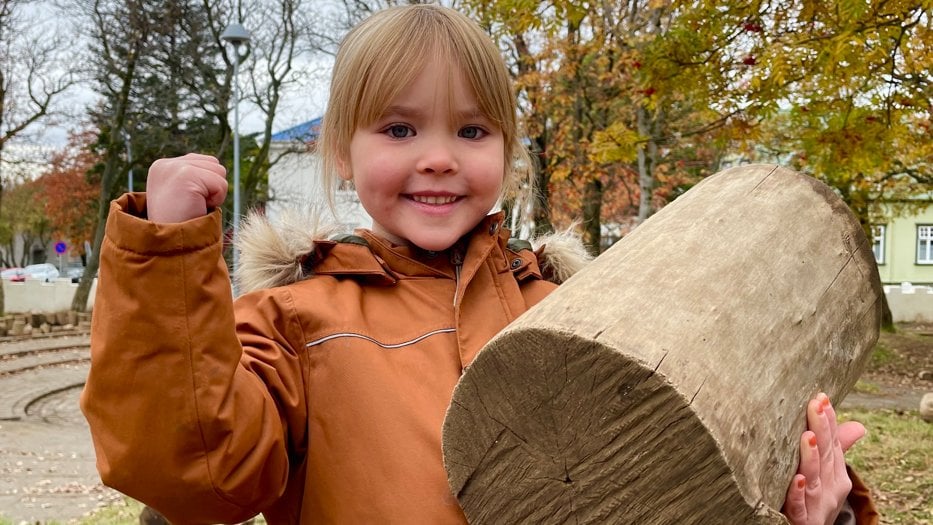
x,y
472,132
399,131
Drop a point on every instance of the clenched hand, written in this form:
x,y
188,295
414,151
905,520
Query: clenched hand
x,y
183,188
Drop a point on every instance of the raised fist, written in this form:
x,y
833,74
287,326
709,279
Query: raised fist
x,y
183,188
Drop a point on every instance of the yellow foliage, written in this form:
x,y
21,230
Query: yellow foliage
x,y
839,89
617,143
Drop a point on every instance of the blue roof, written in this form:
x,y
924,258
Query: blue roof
x,y
306,132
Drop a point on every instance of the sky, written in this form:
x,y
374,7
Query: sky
x,y
296,106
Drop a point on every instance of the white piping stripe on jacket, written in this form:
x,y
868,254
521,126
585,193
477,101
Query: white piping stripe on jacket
x,y
383,345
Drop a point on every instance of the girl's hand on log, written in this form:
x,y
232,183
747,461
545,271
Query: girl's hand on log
x,y
819,489
183,188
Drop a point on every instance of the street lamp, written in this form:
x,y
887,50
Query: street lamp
x,y
129,161
237,35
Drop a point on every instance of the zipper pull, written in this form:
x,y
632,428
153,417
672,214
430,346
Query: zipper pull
x,y
456,256
456,259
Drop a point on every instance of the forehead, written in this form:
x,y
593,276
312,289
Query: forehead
x,y
434,83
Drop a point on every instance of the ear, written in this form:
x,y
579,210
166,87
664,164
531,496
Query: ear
x,y
343,168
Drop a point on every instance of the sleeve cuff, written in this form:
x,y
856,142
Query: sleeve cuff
x,y
129,229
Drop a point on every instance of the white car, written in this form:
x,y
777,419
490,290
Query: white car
x,y
44,272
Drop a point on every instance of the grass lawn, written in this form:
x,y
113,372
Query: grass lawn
x,y
895,459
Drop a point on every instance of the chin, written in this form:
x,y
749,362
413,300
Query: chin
x,y
434,245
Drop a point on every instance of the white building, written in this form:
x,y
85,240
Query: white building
x,y
295,180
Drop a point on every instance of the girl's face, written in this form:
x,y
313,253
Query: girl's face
x,y
432,166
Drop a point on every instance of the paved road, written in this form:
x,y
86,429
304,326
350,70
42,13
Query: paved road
x,y
47,468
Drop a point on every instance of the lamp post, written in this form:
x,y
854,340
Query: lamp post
x,y
129,161
237,35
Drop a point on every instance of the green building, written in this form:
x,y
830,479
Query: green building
x,y
904,249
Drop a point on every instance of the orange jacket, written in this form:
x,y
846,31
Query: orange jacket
x,y
324,404
314,401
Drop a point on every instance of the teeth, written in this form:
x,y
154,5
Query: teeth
x,y
433,199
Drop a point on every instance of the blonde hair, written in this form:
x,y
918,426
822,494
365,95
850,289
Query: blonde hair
x,y
384,53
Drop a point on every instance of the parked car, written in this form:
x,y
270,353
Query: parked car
x,y
74,273
44,271
16,275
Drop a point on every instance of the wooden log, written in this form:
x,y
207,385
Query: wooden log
x,y
667,381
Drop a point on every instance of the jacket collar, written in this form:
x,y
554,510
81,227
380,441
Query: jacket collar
x,y
293,247
371,255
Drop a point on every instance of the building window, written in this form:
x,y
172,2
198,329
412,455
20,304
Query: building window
x,y
878,233
925,244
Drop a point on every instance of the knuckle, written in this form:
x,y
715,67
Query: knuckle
x,y
814,484
846,486
797,515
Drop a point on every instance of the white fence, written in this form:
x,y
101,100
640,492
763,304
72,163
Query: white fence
x,y
38,296
908,303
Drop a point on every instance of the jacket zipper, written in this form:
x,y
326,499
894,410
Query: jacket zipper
x,y
456,258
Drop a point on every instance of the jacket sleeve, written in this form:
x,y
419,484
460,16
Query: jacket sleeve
x,y
183,417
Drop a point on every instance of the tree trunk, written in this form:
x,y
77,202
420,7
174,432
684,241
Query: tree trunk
x,y
2,297
592,210
108,181
887,317
542,193
645,169
667,381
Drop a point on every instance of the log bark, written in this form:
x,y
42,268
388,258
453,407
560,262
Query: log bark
x,y
667,381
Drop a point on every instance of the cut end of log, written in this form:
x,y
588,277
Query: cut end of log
x,y
553,428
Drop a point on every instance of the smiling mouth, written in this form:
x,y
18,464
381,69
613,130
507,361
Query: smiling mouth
x,y
434,199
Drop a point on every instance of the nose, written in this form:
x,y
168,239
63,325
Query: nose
x,y
437,157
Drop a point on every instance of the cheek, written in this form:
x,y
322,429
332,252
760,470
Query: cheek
x,y
494,175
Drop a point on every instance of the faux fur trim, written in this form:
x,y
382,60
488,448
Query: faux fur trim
x,y
271,252
561,254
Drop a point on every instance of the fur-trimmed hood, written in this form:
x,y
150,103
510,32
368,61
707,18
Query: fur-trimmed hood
x,y
273,253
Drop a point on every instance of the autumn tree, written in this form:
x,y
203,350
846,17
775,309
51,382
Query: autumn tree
x,y
856,100
619,100
70,193
23,223
31,78
655,94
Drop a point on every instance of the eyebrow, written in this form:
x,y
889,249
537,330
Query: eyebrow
x,y
401,111
413,113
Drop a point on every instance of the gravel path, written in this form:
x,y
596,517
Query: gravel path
x,y
47,468
892,398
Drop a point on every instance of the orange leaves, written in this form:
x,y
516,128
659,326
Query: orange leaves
x,y
70,200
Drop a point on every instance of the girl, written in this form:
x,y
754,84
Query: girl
x,y
320,397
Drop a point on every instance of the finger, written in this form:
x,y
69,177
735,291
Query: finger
x,y
810,468
795,505
200,156
216,193
838,467
819,423
850,432
209,166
